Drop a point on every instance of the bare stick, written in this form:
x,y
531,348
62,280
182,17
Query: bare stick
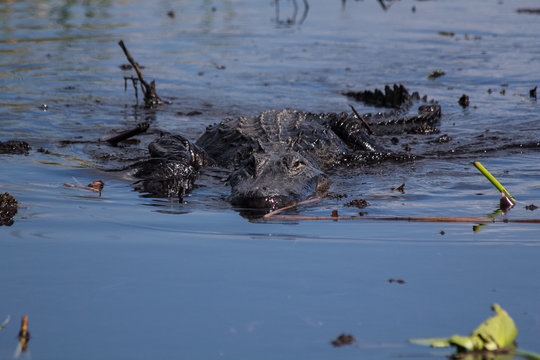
x,y
140,128
149,90
404,218
273,216
361,118
95,186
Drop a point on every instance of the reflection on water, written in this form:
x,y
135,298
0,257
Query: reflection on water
x,y
292,19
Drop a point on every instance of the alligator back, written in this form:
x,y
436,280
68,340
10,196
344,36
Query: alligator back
x,y
277,157
274,132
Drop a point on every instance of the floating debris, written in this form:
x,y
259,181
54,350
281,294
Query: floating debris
x,y
14,147
464,101
24,337
446,33
95,186
400,188
528,11
3,325
505,202
273,215
359,203
343,339
124,135
435,74
444,138
497,332
8,209
151,98
397,281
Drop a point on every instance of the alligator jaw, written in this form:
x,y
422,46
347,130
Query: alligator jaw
x,y
272,182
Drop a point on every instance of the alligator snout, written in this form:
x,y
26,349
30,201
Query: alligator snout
x,y
270,181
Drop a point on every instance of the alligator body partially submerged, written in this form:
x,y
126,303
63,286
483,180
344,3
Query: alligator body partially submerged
x,y
275,158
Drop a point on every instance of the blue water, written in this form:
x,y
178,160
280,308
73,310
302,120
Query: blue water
x,y
121,276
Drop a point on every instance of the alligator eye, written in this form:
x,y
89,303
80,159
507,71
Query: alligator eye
x,y
296,164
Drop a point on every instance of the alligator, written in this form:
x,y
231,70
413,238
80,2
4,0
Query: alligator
x,y
280,156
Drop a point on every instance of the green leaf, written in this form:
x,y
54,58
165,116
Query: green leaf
x,y
497,332
528,355
466,342
433,342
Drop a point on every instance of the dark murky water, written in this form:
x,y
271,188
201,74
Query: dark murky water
x,y
127,277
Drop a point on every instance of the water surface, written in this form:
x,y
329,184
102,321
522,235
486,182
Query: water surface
x,y
123,276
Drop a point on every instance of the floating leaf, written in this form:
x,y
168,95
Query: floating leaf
x,y
497,332
435,74
3,325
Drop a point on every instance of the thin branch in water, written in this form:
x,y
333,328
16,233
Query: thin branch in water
x,y
134,82
140,128
149,90
95,186
361,118
273,215
381,2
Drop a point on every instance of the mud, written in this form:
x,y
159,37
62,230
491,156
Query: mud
x,y
8,209
14,147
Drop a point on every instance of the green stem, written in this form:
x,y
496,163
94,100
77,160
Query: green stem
x,y
492,179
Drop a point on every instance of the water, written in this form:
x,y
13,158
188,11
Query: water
x,y
129,277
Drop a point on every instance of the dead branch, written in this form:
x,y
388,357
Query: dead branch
x,y
361,118
149,90
140,128
273,215
94,186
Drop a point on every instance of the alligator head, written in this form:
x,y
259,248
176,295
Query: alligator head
x,y
272,181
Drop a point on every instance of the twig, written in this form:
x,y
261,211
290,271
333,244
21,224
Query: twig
x,y
3,325
95,186
273,216
140,128
404,218
361,118
134,82
150,96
